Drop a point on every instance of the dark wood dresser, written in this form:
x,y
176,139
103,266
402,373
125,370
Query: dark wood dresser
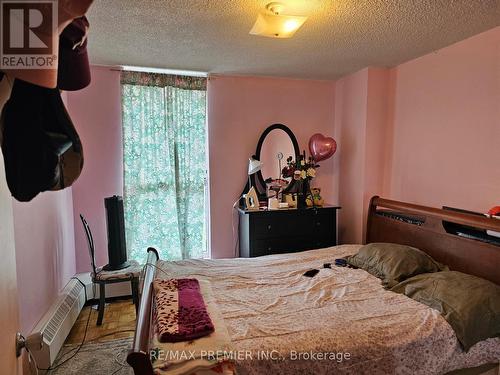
x,y
286,230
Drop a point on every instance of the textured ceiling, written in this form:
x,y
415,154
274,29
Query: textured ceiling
x,y
340,36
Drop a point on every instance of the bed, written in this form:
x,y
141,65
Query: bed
x,y
341,321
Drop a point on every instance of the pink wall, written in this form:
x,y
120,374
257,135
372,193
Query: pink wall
x,y
9,308
447,126
361,109
425,131
96,111
350,130
239,109
378,135
411,133
45,252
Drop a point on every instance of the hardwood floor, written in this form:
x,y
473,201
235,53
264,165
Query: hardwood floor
x,y
119,316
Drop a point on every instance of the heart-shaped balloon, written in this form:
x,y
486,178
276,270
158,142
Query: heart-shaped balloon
x,y
321,147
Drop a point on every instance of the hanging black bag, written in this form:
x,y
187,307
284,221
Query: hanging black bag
x,y
41,148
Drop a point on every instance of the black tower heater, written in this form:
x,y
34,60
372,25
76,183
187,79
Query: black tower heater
x,y
115,222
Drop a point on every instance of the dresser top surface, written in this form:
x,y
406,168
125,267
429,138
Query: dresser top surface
x,y
264,211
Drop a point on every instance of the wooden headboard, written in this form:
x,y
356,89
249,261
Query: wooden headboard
x,y
428,234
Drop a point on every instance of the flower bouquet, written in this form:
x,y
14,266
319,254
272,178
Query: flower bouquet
x,y
301,172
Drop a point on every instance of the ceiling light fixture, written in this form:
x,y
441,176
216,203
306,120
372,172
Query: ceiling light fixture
x,y
273,24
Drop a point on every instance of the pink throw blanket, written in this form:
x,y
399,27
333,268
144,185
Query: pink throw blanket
x,y
181,314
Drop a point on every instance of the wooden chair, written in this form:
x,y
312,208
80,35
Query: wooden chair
x,y
102,278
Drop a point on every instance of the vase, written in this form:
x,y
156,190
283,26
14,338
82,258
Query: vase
x,y
301,188
303,193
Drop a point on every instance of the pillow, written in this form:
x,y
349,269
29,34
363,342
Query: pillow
x,y
393,263
470,305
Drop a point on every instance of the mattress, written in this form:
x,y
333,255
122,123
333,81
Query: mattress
x,y
340,321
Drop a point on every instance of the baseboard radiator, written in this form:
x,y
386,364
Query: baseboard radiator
x,y
58,321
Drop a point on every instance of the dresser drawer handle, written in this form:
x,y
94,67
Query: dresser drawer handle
x,y
269,227
318,223
269,248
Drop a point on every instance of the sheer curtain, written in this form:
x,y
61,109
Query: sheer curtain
x,y
164,148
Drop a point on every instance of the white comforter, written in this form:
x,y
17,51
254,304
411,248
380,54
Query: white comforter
x,y
339,322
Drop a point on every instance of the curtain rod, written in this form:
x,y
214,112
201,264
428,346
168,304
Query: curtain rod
x,y
191,73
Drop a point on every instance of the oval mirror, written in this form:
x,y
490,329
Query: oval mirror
x,y
276,148
276,142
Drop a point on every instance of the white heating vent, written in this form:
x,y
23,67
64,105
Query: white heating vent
x,y
57,322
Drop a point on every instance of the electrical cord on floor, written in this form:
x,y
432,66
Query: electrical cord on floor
x,y
122,364
97,338
30,359
76,350
94,339
237,241
79,347
86,299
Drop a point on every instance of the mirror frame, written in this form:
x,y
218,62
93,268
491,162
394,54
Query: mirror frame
x,y
258,176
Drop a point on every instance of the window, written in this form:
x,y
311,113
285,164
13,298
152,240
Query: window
x,y
165,165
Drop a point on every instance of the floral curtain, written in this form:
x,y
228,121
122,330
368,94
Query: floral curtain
x,y
164,148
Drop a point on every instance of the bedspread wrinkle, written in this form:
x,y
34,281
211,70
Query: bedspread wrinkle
x,y
340,321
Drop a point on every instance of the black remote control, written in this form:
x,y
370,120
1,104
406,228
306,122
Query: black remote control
x,y
311,273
